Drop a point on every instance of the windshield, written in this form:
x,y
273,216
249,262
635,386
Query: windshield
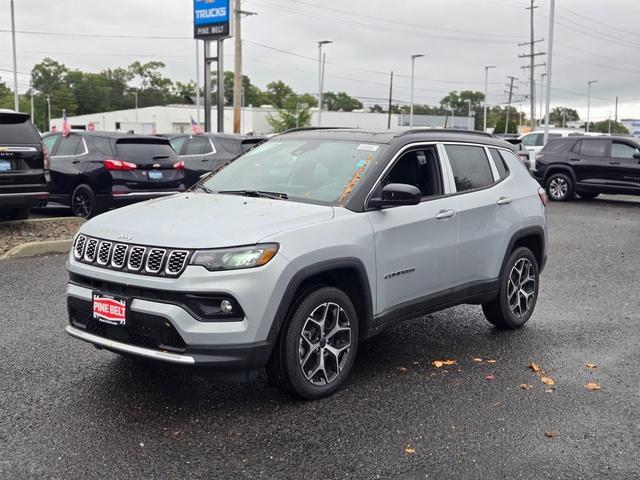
x,y
316,171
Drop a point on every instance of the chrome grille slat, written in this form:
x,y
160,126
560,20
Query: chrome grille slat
x,y
91,250
136,257
130,258
176,262
119,255
104,251
154,260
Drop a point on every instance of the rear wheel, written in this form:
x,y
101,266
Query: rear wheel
x,y
560,187
518,292
84,202
588,196
317,346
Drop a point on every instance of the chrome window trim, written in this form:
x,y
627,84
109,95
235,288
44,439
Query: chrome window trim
x,y
86,151
487,154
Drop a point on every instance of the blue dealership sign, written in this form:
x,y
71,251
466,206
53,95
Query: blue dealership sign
x,y
211,18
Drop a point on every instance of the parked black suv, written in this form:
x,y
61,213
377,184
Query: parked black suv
x,y
24,164
93,171
205,152
589,166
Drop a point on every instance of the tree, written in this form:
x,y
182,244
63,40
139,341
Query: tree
x,y
277,93
499,126
459,101
603,127
340,102
288,118
376,109
556,115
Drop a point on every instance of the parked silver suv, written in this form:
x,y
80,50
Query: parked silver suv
x,y
307,245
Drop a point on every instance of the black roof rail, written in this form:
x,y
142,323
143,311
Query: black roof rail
x,y
444,130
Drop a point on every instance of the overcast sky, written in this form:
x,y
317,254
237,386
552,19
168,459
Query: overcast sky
x,y
594,40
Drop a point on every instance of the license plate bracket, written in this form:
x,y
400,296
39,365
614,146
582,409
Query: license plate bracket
x,y
111,309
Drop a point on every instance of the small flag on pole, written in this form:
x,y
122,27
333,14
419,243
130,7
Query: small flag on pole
x,y
66,128
195,128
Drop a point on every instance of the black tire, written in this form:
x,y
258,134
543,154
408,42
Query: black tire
x,y
19,214
284,367
84,203
560,187
588,196
505,311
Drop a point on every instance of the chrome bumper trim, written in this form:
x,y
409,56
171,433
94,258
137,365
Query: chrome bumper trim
x,y
123,347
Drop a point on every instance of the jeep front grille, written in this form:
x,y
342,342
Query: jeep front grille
x,y
165,262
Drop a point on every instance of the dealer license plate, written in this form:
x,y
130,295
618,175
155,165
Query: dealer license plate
x,y
110,309
155,175
5,165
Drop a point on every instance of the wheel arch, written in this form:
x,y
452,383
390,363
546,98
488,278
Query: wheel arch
x,y
348,274
559,168
531,237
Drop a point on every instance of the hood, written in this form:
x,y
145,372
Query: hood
x,y
202,220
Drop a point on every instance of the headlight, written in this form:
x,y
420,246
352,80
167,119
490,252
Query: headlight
x,y
235,258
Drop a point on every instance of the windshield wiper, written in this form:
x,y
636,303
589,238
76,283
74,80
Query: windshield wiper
x,y
205,189
257,193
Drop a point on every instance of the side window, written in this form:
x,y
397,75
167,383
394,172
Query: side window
x,y
593,148
50,142
198,146
71,145
500,164
470,167
177,143
102,145
530,140
622,150
419,168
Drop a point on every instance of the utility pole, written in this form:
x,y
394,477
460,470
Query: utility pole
x,y
541,90
135,94
197,81
390,101
609,122
510,92
552,10
531,56
616,116
468,102
32,113
564,116
321,43
48,112
413,71
220,78
589,83
486,88
237,73
16,99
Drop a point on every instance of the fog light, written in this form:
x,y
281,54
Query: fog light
x,y
226,306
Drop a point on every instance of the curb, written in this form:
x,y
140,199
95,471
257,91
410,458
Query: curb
x,y
40,220
32,249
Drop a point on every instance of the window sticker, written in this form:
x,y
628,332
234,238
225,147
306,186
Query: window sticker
x,y
368,148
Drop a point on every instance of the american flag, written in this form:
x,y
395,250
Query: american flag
x,y
66,128
195,128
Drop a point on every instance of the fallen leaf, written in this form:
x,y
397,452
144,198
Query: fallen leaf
x,y
592,386
548,390
591,365
477,360
547,381
409,450
551,434
524,386
535,367
403,369
449,362
491,361
489,378
438,363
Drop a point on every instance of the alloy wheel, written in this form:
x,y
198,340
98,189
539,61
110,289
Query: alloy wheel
x,y
558,188
325,343
521,289
82,204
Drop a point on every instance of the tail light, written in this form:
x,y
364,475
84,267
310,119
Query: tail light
x,y
119,165
543,196
46,157
179,165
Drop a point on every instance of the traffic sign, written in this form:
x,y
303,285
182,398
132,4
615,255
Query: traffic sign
x,y
211,19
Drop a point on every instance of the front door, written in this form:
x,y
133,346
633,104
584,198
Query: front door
x,y
416,246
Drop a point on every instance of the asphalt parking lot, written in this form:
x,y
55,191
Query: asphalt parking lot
x,y
70,411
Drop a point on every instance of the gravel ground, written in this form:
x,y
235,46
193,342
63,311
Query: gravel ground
x,y
15,233
70,411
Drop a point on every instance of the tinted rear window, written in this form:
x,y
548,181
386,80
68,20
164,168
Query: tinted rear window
x,y
470,167
594,148
15,129
143,150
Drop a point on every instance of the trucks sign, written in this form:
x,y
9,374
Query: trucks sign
x,y
211,19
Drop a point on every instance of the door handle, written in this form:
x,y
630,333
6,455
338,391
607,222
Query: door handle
x,y
443,214
574,159
614,163
504,201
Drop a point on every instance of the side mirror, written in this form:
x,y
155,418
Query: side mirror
x,y
636,155
396,194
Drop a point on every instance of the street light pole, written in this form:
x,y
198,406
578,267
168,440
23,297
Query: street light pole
x,y
16,100
320,77
237,73
413,68
486,87
552,10
589,83
135,94
542,75
468,102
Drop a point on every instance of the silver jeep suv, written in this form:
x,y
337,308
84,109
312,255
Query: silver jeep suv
x,y
305,246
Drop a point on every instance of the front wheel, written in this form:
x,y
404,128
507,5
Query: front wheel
x,y
518,291
315,351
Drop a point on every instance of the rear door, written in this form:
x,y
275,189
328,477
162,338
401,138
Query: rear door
x,y
66,163
627,168
198,154
589,159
